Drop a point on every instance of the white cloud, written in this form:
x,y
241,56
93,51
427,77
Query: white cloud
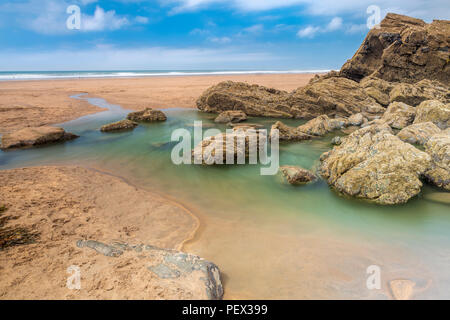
x,y
220,40
102,20
254,29
308,32
142,20
335,24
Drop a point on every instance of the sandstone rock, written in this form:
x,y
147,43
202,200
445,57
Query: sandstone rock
x,y
402,289
28,137
373,164
189,273
377,89
297,175
287,133
231,116
434,111
403,49
213,150
418,133
356,119
438,146
399,115
147,115
119,126
246,124
322,125
414,94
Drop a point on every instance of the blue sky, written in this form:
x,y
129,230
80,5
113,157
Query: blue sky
x,y
191,34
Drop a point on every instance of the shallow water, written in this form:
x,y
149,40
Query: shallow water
x,y
270,240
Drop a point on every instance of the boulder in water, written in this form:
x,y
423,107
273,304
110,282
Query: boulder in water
x,y
147,115
29,137
121,125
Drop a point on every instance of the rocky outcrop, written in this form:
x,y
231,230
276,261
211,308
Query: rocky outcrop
x,y
418,133
438,146
403,49
119,126
297,175
231,116
434,111
30,137
377,89
187,272
399,115
147,115
414,94
287,133
372,163
322,125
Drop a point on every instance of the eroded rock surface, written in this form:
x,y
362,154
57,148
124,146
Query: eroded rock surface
x,y
399,115
438,146
147,115
29,137
231,116
287,133
416,93
121,125
296,175
373,164
434,111
418,133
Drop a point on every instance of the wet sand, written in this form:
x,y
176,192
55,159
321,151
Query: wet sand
x,y
42,102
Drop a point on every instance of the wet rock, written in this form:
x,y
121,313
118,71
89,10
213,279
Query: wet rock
x,y
418,133
402,289
287,133
189,273
414,94
372,163
399,115
403,49
297,175
119,126
29,137
231,117
438,146
434,111
147,115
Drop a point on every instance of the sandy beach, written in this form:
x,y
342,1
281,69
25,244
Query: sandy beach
x,y
42,102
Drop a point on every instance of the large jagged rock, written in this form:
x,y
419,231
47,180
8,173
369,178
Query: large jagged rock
x,y
121,125
434,111
414,94
296,175
418,133
287,133
196,277
372,163
231,116
399,115
403,49
438,146
147,115
29,137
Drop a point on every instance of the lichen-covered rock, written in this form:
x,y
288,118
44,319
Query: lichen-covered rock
x,y
403,49
322,125
147,115
399,115
356,119
121,125
372,163
414,94
29,137
287,133
433,111
418,133
231,116
336,141
297,175
196,277
438,146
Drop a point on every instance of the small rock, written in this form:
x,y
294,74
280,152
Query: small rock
x,y
119,126
287,133
232,116
336,141
297,175
356,119
147,115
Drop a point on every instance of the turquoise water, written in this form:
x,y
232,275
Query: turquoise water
x,y
270,240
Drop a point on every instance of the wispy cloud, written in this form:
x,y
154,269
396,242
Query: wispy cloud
x,y
103,20
310,31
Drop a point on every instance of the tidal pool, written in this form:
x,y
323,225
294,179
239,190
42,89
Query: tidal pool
x,y
270,240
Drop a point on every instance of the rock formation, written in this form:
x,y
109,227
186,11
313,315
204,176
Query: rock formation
x,y
403,49
147,115
231,117
418,133
287,133
438,146
119,126
29,137
434,111
399,115
414,94
296,175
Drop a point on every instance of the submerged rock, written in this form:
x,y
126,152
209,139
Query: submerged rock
x,y
297,175
434,111
147,115
403,49
29,137
119,126
438,146
399,115
373,164
418,133
231,117
188,272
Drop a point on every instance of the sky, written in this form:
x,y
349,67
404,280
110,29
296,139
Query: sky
x,y
191,34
